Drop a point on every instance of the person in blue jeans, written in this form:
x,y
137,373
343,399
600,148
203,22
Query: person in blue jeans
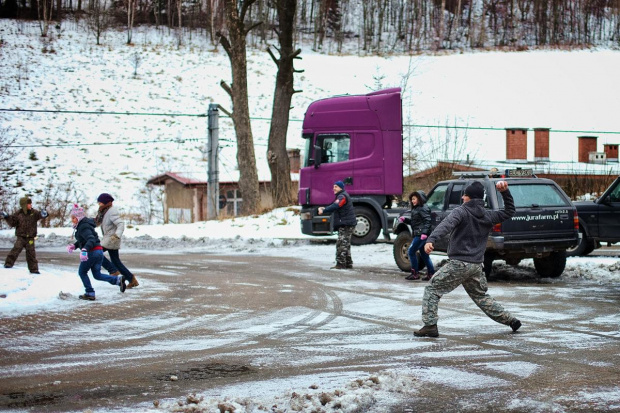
x,y
91,253
420,223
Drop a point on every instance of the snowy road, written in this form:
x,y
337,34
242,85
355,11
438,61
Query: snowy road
x,y
258,331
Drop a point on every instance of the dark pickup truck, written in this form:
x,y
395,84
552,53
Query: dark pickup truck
x,y
543,227
599,220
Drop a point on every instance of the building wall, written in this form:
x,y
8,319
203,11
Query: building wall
x,y
516,144
587,144
541,144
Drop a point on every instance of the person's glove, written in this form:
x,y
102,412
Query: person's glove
x,y
83,255
423,237
401,219
4,215
70,248
44,214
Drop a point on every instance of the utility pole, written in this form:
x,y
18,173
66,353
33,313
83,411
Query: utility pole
x,y
213,174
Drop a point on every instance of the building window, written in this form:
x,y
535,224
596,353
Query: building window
x,y
179,215
233,202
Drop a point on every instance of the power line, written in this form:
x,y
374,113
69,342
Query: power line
x,y
503,129
43,145
84,112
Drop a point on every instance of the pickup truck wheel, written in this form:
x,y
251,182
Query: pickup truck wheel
x,y
367,228
580,249
401,245
487,264
552,265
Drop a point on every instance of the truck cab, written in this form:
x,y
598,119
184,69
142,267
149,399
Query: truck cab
x,y
358,140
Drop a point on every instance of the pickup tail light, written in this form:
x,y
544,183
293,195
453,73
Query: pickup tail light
x,y
576,220
497,228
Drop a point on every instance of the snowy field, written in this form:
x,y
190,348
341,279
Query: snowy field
x,y
564,90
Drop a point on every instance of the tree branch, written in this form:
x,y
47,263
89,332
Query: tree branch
x,y
249,29
227,88
220,107
244,9
273,57
224,42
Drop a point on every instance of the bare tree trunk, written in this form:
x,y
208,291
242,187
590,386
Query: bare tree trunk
x,y
131,11
236,50
277,155
44,12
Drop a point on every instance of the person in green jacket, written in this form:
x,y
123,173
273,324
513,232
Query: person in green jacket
x,y
24,221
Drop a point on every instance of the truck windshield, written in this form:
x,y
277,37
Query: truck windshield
x,y
544,195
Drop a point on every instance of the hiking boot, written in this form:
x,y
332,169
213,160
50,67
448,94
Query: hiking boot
x,y
133,283
427,331
121,283
87,297
428,276
413,276
349,266
8,266
35,272
339,267
115,273
515,325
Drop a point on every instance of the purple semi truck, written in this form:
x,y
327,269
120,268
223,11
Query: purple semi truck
x,y
357,140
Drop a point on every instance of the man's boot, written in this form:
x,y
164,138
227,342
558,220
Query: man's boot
x,y
427,331
515,324
413,276
428,276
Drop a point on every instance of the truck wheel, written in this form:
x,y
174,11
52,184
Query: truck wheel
x,y
367,228
590,247
552,265
401,245
581,247
487,264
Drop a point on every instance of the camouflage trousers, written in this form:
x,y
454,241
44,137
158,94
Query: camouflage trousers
x,y
450,276
31,256
343,246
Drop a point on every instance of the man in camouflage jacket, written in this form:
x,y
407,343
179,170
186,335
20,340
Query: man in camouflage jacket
x,y
25,222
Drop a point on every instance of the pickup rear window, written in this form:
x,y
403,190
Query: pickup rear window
x,y
527,195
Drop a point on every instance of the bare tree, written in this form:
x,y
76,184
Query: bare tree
x,y
277,156
235,48
44,15
130,8
99,19
6,158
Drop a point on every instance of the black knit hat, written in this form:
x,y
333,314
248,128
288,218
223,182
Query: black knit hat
x,y
105,198
475,190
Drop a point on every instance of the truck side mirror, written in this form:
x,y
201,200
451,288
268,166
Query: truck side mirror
x,y
607,200
317,156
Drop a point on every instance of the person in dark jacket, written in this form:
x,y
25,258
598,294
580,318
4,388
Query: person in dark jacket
x,y
25,223
420,222
91,253
344,222
469,226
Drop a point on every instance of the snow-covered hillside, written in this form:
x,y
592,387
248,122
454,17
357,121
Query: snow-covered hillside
x,y
83,154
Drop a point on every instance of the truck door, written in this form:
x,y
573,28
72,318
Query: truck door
x,y
609,213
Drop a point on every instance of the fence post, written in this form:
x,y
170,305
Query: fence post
x,y
213,179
